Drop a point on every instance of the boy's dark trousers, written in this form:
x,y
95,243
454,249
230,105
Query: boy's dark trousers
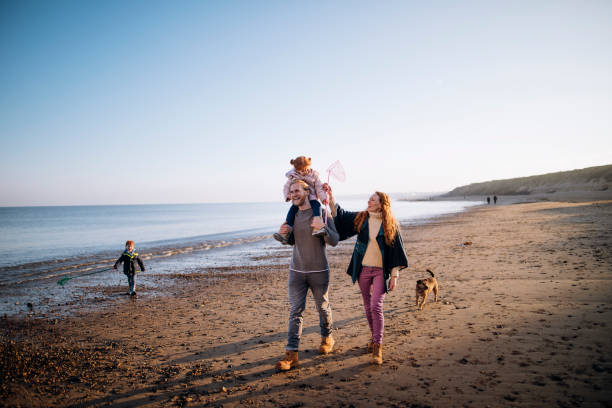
x,y
131,282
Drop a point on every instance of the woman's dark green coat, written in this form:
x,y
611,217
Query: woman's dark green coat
x,y
392,255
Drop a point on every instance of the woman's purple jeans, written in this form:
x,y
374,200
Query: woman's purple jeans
x,y
372,277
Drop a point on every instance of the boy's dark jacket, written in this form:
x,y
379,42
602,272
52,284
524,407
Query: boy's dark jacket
x,y
392,255
128,263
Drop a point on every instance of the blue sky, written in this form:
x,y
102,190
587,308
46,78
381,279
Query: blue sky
x,y
170,102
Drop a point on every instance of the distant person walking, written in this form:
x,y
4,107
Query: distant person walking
x,y
494,199
488,200
377,258
308,269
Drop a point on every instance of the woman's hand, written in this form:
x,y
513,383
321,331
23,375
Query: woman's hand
x,y
330,197
327,188
393,283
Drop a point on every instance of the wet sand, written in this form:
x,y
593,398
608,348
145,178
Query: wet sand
x,y
524,320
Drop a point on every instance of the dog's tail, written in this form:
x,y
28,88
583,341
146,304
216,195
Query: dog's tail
x,y
432,274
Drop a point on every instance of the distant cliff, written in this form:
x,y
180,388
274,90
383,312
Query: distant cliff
x,y
590,179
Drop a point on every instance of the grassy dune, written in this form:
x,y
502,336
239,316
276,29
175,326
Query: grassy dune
x,y
597,178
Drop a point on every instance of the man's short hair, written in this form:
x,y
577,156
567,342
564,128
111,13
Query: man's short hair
x,y
302,183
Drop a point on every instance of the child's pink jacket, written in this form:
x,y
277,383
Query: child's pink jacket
x,y
311,178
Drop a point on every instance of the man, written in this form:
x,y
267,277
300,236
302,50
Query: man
x,y
308,270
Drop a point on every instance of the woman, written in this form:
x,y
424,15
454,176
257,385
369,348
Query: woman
x,y
377,258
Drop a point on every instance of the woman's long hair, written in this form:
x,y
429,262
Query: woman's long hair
x,y
389,223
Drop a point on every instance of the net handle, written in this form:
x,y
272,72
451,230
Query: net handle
x,y
326,205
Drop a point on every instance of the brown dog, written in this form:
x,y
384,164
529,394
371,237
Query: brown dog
x,y
424,286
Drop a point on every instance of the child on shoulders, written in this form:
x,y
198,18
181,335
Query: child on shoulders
x,y
302,171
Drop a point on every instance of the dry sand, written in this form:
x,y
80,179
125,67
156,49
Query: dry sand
x,y
524,320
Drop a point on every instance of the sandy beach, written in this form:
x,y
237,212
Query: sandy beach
x,y
524,319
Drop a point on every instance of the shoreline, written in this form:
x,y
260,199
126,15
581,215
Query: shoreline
x,y
523,320
38,287
67,241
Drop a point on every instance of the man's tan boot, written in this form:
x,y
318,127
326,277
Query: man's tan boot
x,y
327,344
288,362
376,353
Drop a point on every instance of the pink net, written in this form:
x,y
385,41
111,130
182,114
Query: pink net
x,y
339,174
337,171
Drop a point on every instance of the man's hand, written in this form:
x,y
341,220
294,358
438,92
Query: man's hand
x,y
284,229
317,223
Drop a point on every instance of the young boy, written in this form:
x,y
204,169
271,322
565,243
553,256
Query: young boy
x,y
128,257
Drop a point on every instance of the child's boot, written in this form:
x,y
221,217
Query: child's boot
x,y
327,345
288,362
377,354
282,238
320,232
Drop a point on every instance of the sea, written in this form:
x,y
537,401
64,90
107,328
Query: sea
x,y
52,258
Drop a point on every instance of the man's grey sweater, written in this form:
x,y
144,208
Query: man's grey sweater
x,y
309,251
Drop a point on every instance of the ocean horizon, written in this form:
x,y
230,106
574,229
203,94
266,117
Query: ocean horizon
x,y
41,245
31,234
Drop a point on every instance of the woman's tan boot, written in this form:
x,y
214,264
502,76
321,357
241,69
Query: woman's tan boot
x,y
288,362
370,346
327,345
376,353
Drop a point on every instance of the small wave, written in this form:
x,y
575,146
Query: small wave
x,y
75,266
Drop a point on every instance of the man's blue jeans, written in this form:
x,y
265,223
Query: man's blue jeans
x,y
299,283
